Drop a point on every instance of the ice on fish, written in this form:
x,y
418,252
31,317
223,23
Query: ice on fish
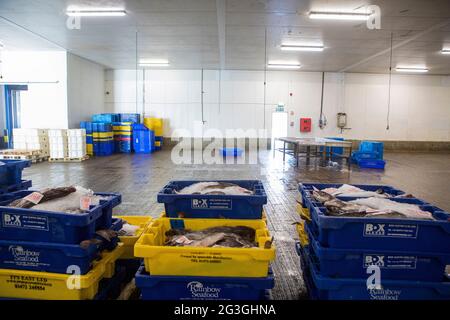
x,y
411,211
64,199
128,230
220,188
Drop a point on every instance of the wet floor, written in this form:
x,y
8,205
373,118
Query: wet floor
x,y
139,178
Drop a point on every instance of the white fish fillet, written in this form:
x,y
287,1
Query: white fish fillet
x,y
409,210
347,190
209,187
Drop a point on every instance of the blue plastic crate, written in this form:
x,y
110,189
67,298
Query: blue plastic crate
x,y
52,257
105,117
372,146
325,288
406,235
87,125
104,148
130,117
11,172
372,163
202,288
45,226
233,152
394,265
110,289
306,189
23,185
143,139
213,206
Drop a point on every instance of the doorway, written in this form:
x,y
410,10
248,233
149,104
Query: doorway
x,y
12,111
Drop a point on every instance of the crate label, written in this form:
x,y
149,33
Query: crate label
x,y
24,257
200,291
390,261
85,203
23,221
34,197
391,230
222,204
384,294
32,283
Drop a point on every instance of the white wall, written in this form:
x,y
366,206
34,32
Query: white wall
x,y
420,105
44,105
85,89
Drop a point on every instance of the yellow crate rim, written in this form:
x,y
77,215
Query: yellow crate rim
x,y
144,247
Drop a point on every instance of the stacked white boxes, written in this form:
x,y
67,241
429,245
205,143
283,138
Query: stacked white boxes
x,y
58,143
76,143
31,139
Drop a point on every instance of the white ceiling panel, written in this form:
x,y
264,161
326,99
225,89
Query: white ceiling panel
x,y
187,33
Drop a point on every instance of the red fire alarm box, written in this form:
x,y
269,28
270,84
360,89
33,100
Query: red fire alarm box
x,y
305,124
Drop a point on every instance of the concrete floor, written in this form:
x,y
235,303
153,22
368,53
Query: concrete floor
x,y
139,178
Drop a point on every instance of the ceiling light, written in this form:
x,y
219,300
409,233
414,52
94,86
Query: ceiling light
x,y
445,51
96,12
154,63
411,69
283,66
289,47
339,15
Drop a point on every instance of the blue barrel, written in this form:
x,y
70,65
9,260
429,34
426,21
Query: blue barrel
x,y
143,139
86,125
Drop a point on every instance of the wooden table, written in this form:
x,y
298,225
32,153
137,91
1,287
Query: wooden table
x,y
316,143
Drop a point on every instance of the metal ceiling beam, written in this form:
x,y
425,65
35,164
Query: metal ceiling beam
x,y
221,11
398,45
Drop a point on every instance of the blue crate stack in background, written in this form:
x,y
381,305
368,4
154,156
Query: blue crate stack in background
x,y
214,273
110,133
411,254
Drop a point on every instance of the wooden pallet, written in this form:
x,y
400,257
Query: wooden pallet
x,y
68,159
20,152
33,159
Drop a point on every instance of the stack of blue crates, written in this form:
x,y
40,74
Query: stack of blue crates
x,y
214,207
45,241
11,175
369,155
411,254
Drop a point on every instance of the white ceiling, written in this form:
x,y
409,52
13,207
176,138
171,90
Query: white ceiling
x,y
230,34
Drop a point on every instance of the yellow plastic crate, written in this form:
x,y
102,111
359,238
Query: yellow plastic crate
x,y
302,235
129,241
202,261
122,128
90,149
303,213
156,125
110,259
22,284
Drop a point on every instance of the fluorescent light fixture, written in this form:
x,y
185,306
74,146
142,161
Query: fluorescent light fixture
x,y
96,12
293,47
411,69
284,66
339,15
445,51
153,63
